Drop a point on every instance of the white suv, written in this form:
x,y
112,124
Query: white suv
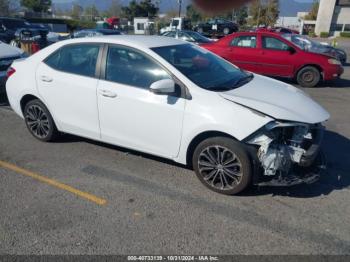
x,y
172,99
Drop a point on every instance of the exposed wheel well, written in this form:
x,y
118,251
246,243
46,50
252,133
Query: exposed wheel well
x,y
313,65
26,99
198,139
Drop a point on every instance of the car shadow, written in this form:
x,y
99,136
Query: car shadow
x,y
3,100
68,138
336,177
338,83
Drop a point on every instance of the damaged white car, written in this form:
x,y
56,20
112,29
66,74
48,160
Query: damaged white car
x,y
175,100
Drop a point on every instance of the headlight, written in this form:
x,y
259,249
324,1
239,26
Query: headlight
x,y
333,61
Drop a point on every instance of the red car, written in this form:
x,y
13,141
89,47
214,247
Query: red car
x,y
269,54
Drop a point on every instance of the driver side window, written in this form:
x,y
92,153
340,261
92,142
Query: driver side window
x,y
130,67
274,44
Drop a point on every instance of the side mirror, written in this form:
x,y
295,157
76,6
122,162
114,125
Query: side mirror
x,y
291,50
163,87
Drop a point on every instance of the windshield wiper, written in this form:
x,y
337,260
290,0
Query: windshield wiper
x,y
244,80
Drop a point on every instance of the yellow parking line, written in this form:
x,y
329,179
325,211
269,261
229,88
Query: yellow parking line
x,y
51,182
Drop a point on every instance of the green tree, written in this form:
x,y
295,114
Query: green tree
x,y
193,13
143,9
90,12
314,11
77,11
241,15
4,7
257,11
271,13
36,5
264,14
113,10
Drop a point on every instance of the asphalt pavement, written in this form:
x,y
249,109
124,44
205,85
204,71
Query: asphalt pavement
x,y
77,196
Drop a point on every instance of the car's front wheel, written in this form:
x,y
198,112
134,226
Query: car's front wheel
x,y
308,76
222,165
39,121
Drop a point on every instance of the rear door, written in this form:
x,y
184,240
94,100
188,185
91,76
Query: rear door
x,y
243,52
276,57
67,82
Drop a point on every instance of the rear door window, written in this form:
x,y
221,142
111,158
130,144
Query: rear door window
x,y
80,59
248,41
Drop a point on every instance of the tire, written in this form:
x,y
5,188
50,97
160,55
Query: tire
x,y
309,76
39,121
226,31
230,173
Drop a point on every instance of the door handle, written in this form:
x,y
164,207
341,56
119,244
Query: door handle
x,y
107,93
46,79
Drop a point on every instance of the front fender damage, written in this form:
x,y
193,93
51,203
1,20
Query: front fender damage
x,y
289,153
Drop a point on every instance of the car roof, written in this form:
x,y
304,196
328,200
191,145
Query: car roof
x,y
12,19
130,40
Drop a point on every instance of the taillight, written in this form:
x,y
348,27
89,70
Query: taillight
x,y
10,72
35,48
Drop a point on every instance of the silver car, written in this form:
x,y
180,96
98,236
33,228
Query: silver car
x,y
7,55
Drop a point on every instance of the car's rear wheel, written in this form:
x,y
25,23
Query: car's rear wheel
x,y
39,121
227,31
222,165
309,76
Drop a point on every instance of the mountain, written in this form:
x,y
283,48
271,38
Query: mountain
x,y
287,7
292,7
164,5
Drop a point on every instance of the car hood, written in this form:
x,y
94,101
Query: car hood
x,y
278,100
9,51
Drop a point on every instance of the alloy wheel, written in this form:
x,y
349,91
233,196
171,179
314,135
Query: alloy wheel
x,y
37,121
220,168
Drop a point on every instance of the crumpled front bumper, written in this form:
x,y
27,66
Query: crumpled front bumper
x,y
299,175
297,163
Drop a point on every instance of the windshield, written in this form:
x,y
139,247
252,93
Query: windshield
x,y
204,68
198,37
15,24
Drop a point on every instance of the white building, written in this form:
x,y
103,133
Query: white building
x,y
292,22
333,16
143,25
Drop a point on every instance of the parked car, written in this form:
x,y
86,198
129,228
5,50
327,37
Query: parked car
x,y
216,27
7,55
172,99
189,36
270,54
11,30
310,45
95,32
278,29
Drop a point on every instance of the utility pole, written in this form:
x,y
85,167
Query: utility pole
x,y
180,7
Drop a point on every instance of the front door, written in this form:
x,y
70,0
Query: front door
x,y
130,114
276,57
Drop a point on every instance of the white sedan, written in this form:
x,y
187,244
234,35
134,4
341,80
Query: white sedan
x,y
172,99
